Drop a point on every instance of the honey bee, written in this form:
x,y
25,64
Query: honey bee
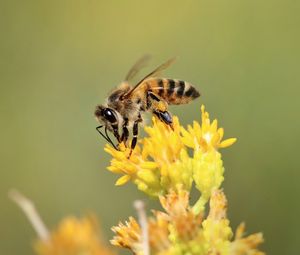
x,y
151,94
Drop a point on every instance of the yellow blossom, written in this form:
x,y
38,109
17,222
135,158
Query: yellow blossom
x,y
246,245
216,229
159,164
128,236
162,160
208,174
185,222
166,164
179,231
74,236
206,136
159,232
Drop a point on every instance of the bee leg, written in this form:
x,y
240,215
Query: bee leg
x,y
159,107
116,131
165,117
152,100
125,133
135,134
106,137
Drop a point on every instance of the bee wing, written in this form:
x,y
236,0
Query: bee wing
x,y
140,63
154,73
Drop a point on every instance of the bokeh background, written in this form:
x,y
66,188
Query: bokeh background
x,y
60,58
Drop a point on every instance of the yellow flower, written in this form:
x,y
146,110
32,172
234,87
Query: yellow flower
x,y
208,174
246,245
216,229
179,231
206,136
184,221
128,236
159,232
74,236
162,161
166,164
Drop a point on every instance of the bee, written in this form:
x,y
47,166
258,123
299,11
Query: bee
x,y
125,104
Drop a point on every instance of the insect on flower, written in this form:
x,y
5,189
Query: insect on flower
x,y
151,94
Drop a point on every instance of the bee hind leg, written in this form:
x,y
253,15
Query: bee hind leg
x,y
159,108
165,117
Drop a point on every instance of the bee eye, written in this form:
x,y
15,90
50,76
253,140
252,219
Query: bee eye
x,y
109,115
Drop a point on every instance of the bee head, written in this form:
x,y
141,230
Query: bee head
x,y
106,115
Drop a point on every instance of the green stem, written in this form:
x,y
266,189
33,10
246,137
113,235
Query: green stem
x,y
199,206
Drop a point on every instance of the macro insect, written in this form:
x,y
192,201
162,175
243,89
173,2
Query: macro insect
x,y
126,103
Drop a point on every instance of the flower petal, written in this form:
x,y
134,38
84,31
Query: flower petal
x,y
227,142
122,180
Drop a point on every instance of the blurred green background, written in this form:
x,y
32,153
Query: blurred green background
x,y
60,58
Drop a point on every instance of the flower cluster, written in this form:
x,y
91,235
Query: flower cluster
x,y
74,236
166,164
163,162
179,230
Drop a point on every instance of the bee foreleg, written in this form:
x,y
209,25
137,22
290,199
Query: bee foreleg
x,y
106,137
116,131
135,134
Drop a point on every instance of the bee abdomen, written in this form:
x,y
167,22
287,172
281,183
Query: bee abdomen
x,y
173,91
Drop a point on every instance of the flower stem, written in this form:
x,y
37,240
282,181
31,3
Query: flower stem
x,y
140,208
30,211
199,206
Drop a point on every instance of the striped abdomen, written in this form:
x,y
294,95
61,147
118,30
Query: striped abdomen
x,y
173,91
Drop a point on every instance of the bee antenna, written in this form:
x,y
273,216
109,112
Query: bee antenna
x,y
106,137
